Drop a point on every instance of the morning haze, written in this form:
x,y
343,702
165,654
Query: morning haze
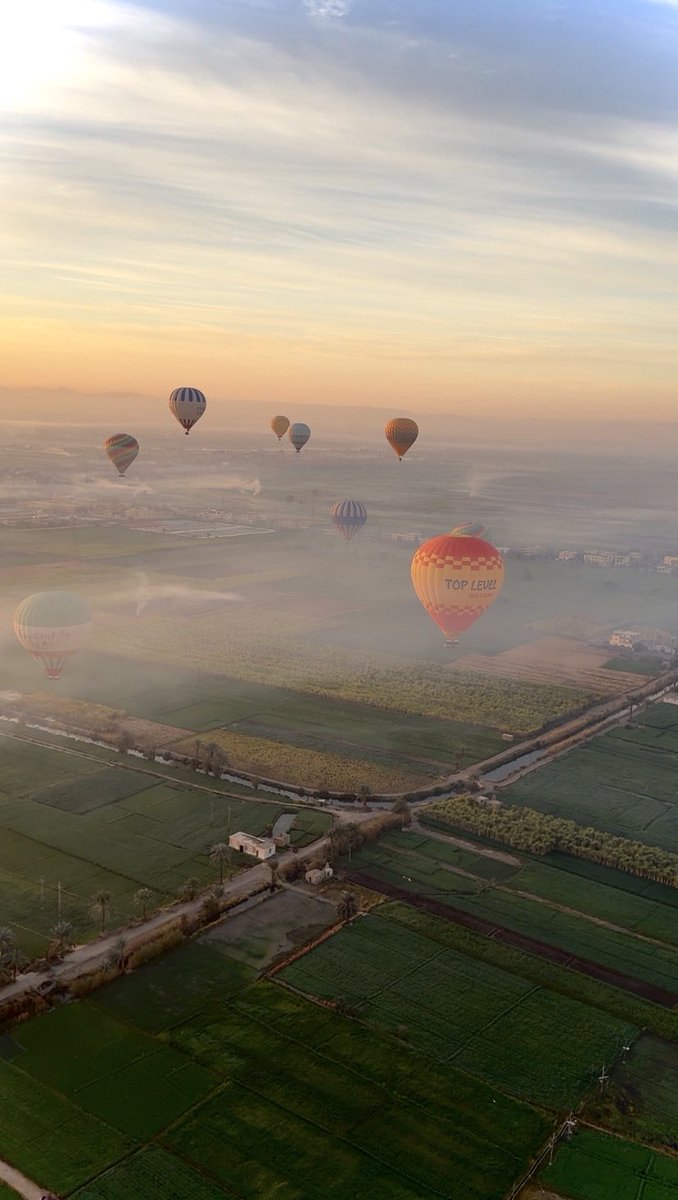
x,y
339,600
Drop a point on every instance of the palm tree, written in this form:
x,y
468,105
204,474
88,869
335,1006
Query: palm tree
x,y
365,792
347,908
101,907
115,959
272,865
189,889
143,898
218,856
62,940
125,741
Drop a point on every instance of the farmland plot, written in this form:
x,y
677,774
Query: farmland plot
x,y
595,1166
487,1021
641,1100
280,1099
152,1174
622,782
419,874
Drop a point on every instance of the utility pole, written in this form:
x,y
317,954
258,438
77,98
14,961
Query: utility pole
x,y
42,891
603,1078
59,900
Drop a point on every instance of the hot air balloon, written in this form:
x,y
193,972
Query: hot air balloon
x,y
299,435
457,576
122,450
52,626
401,433
349,516
280,425
188,404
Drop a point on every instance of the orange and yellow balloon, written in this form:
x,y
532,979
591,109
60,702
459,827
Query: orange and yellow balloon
x,y
280,425
457,576
401,433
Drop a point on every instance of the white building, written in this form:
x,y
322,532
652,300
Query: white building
x,y
626,638
247,843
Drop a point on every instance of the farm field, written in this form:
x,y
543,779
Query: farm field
x,y
611,897
283,637
595,1166
559,660
432,875
641,1099
622,782
486,1021
71,825
235,1087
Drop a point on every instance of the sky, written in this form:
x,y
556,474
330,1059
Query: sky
x,y
417,205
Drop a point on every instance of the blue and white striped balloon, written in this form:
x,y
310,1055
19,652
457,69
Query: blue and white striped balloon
x,y
188,404
349,516
298,435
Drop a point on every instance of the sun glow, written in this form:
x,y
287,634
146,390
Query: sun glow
x,y
43,43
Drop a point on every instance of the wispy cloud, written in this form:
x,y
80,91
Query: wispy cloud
x,y
303,203
327,8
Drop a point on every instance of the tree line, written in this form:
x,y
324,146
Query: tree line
x,y
541,833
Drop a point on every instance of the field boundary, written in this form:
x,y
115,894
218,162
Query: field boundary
x,y
519,941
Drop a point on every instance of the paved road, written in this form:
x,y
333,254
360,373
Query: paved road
x,y
93,954
21,1185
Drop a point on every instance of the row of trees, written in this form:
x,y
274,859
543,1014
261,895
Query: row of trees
x,y
541,833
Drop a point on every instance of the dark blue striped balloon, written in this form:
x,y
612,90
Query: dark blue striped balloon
x,y
349,516
188,404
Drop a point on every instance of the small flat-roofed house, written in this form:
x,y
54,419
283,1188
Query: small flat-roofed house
x,y
247,843
319,876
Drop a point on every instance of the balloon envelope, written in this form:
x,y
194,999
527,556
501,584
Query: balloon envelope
x,y
122,450
299,435
280,425
188,404
349,516
52,626
457,576
401,433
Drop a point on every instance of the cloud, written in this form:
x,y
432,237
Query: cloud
x,y
429,184
327,8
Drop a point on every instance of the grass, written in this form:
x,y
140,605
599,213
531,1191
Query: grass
x,y
646,916
419,874
487,1021
594,1166
641,1099
314,768
49,1137
152,1174
245,1089
89,826
557,978
645,665
622,782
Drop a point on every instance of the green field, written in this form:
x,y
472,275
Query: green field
x,y
187,1076
487,1021
87,826
428,869
641,1099
622,782
594,1166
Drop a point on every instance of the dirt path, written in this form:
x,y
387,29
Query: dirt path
x,y
21,1185
486,851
